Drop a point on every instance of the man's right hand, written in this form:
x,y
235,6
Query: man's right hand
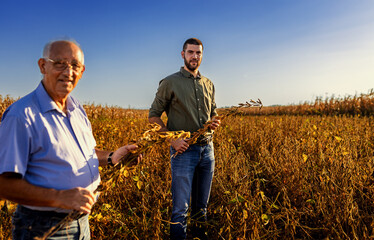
x,y
79,199
180,145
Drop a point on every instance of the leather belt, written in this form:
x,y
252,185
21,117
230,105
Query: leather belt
x,y
44,213
204,140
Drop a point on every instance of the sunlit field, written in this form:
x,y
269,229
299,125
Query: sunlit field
x,y
304,173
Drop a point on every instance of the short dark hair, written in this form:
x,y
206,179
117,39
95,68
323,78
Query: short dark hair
x,y
193,41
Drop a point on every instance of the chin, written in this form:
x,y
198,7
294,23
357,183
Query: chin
x,y
65,91
191,67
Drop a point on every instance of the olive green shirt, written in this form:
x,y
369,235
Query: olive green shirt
x,y
188,101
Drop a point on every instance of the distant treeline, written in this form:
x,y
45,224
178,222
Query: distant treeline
x,y
362,105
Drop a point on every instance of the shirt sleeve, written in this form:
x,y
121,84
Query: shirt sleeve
x,y
14,145
162,99
214,106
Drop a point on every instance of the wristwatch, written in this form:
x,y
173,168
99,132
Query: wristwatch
x,y
110,163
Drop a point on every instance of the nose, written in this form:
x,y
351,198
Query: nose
x,y
69,70
195,56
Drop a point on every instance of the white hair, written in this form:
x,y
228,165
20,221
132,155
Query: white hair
x,y
47,47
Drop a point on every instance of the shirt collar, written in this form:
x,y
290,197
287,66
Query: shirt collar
x,y
187,74
47,104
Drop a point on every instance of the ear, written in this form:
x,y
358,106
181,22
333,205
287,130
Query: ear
x,y
84,68
182,53
41,63
80,74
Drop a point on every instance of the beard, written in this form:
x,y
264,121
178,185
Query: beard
x,y
190,66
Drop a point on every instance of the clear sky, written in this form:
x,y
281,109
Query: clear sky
x,y
281,51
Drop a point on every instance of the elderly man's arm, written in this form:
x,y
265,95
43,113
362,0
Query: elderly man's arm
x,y
16,189
117,155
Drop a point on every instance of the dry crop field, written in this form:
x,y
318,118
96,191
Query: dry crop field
x,y
277,176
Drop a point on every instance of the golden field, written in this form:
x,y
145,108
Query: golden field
x,y
295,172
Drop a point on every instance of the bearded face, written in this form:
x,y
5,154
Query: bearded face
x,y
192,56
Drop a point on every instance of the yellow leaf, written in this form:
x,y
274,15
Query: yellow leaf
x,y
107,206
99,216
245,214
265,218
345,153
126,173
263,195
139,184
338,138
315,127
135,178
305,157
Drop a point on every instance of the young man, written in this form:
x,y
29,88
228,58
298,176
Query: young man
x,y
48,160
187,97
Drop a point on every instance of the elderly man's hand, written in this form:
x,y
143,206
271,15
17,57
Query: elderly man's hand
x,y
122,152
79,199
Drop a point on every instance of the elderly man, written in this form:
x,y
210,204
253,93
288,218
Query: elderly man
x,y
187,97
48,160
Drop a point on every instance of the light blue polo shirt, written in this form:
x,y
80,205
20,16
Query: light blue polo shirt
x,y
47,147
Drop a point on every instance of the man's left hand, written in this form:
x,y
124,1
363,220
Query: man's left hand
x,y
215,123
122,152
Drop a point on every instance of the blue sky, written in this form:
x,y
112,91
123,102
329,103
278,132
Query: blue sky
x,y
281,51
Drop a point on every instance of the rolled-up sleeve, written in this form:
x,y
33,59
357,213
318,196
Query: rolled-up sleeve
x,y
14,145
162,99
213,106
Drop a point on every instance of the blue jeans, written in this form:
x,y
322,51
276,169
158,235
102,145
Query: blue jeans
x,y
28,224
192,174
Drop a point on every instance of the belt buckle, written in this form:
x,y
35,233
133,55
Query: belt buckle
x,y
204,141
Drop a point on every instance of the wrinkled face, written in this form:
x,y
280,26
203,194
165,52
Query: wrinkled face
x,y
62,70
192,55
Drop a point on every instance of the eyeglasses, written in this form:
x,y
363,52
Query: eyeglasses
x,y
62,65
